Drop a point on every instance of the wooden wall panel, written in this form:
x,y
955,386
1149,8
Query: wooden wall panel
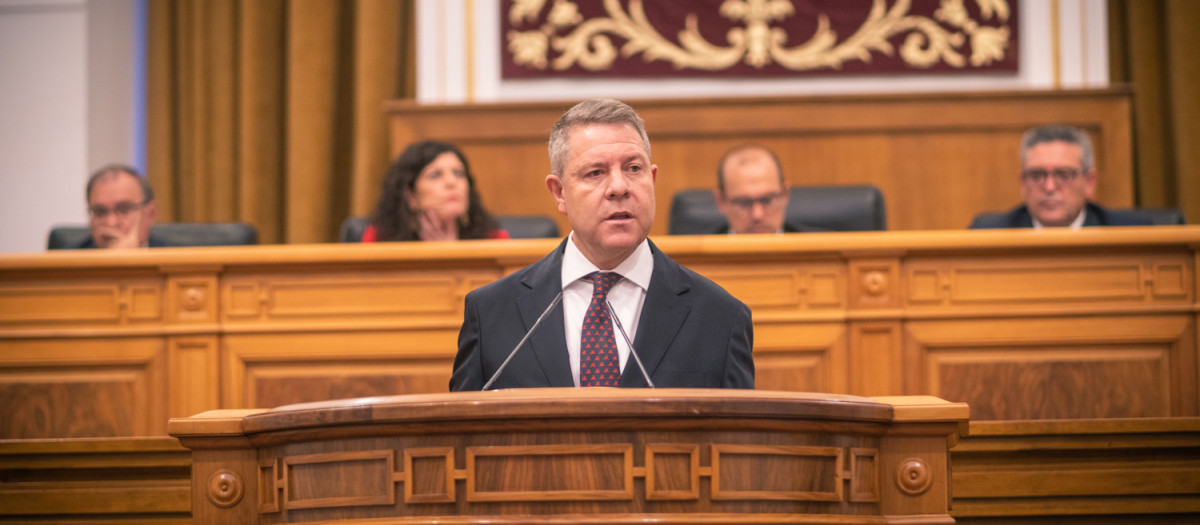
x,y
195,383
876,361
938,158
279,369
1036,280
1005,320
46,301
1108,472
105,387
330,297
1059,368
806,358
100,481
781,290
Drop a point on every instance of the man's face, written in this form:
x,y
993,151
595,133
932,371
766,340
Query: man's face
x,y
1052,182
755,199
606,191
118,219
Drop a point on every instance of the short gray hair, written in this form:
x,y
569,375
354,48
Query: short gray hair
x,y
591,111
1066,134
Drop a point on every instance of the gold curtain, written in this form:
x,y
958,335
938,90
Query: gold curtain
x,y
1153,46
271,111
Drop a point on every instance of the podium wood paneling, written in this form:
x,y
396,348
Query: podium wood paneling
x,y
938,158
1021,324
1079,472
596,455
101,481
1140,471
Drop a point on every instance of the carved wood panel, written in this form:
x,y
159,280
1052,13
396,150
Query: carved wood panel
x,y
100,388
726,472
800,357
274,369
1005,282
108,301
1056,368
415,297
776,291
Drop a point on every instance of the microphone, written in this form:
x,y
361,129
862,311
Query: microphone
x,y
632,351
557,299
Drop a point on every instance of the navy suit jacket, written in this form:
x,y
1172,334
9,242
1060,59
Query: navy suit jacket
x,y
1097,215
692,333
788,227
153,242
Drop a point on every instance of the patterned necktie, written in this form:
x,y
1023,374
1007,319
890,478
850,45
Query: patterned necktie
x,y
599,364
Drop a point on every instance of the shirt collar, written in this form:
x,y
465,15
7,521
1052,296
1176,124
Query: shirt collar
x,y
1075,224
636,268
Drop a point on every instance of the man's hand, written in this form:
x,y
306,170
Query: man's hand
x,y
116,237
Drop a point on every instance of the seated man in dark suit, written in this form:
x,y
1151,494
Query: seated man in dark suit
x,y
687,331
121,209
752,193
1058,177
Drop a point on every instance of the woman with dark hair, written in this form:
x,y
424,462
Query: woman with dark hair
x,y
429,195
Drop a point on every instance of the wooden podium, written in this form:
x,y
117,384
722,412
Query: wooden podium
x,y
577,456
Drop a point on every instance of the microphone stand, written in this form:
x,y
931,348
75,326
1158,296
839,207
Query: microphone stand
x,y
632,351
540,318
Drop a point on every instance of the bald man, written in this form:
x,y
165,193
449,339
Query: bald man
x,y
752,193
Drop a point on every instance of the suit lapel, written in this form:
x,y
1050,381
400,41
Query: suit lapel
x,y
1021,218
666,308
548,343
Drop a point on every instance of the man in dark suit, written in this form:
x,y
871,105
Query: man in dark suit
x,y
752,193
614,282
121,209
1058,177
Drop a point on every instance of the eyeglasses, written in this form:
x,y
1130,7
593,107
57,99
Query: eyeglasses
x,y
747,203
1038,175
121,210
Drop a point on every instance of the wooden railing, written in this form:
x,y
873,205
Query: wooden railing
x,y
1019,324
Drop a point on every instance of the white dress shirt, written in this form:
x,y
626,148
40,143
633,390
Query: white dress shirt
x,y
626,297
1075,225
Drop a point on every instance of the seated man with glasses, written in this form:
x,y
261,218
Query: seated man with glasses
x,y
1058,176
121,209
752,193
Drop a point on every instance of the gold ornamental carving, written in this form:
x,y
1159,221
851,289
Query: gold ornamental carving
x,y
875,283
588,43
193,299
913,477
225,488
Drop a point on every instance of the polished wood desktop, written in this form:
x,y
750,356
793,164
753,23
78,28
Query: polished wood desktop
x,y
1021,325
